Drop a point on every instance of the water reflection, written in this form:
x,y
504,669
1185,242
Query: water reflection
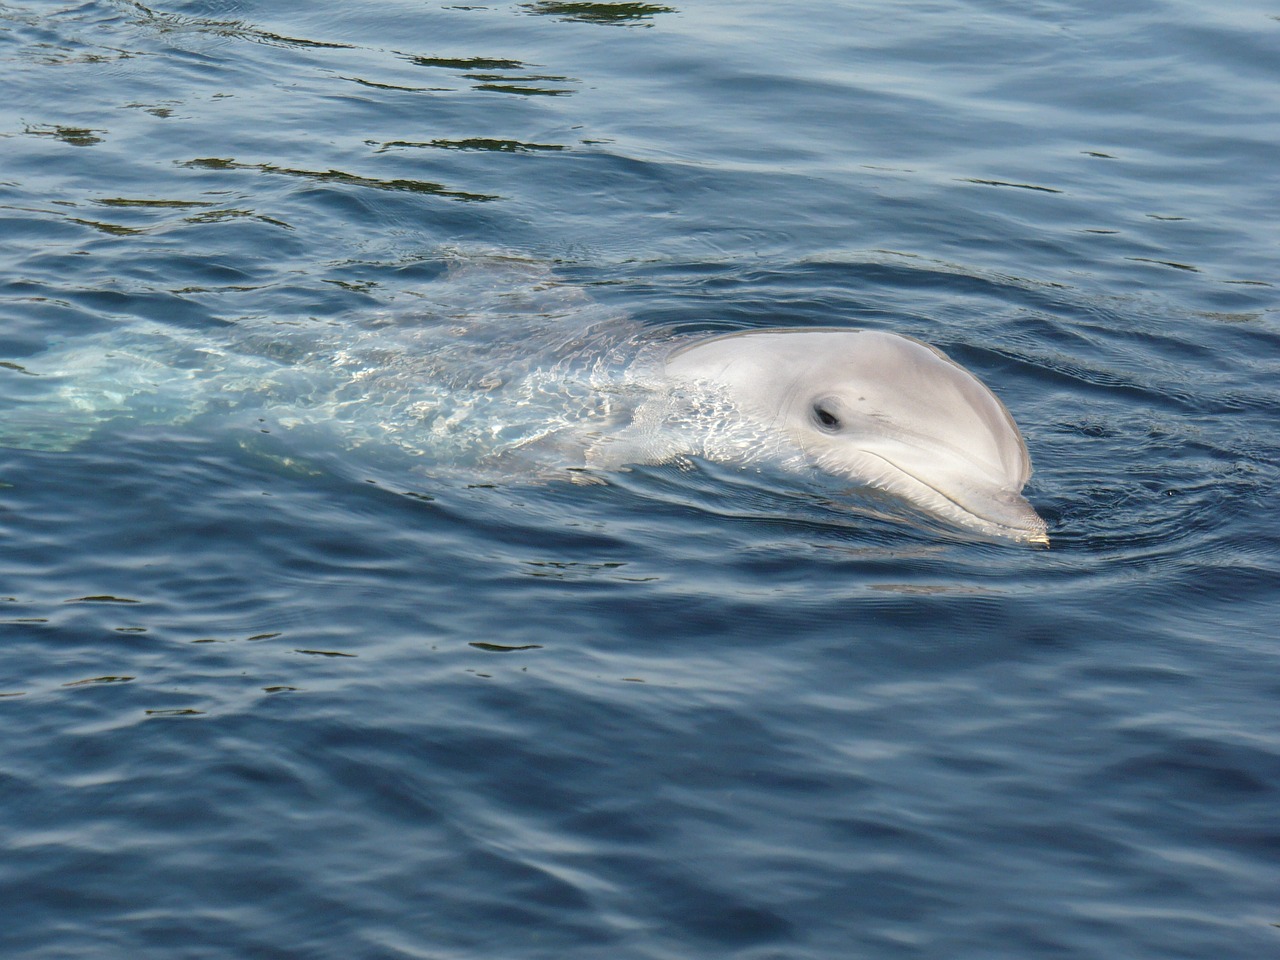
x,y
164,22
616,13
497,83
500,75
475,143
466,63
75,136
347,179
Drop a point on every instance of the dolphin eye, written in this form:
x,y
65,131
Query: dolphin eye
x,y
826,419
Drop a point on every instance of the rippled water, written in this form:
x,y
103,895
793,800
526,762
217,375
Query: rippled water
x,y
272,689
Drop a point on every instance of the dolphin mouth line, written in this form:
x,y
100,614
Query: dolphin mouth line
x,y
1033,535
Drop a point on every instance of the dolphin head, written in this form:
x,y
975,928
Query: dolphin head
x,y
882,410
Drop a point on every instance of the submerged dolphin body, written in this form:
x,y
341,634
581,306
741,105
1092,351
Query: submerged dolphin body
x,y
510,374
878,409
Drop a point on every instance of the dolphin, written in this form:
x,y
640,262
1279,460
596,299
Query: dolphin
x,y
884,411
514,375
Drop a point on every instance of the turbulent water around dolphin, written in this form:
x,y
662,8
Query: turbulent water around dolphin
x,y
501,370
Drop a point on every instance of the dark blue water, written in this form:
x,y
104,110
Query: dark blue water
x,y
279,694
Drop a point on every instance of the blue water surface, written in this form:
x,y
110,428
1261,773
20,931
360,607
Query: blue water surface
x,y
272,692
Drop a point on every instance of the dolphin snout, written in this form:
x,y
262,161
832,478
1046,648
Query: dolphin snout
x,y
1013,514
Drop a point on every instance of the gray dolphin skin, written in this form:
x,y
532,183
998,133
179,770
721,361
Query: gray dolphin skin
x,y
878,409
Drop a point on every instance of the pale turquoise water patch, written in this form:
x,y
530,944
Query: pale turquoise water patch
x,y
273,690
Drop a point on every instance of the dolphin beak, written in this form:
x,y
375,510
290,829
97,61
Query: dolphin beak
x,y
1004,513
1012,512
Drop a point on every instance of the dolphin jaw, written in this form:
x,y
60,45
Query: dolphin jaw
x,y
997,512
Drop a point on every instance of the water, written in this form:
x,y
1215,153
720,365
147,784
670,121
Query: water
x,y
289,694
